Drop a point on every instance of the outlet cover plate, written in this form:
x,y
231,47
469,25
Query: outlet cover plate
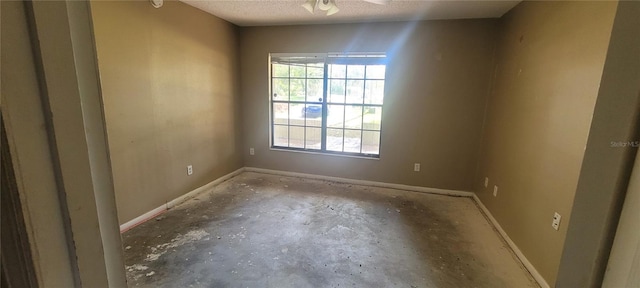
x,y
556,221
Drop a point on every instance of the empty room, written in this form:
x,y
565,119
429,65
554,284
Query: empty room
x,y
320,143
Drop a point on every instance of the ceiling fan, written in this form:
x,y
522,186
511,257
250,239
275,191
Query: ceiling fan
x,y
331,7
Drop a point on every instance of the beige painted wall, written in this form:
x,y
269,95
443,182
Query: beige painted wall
x,y
170,87
550,60
436,88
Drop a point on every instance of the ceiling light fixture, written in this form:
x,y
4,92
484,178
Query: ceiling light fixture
x,y
156,3
324,5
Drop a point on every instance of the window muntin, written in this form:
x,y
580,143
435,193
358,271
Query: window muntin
x,y
328,103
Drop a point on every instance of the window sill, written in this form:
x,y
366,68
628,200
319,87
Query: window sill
x,y
324,153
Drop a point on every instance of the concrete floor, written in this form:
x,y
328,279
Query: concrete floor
x,y
259,230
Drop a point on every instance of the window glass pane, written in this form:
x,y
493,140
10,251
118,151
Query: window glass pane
x,y
314,122
280,113
336,91
297,90
355,91
372,117
298,71
280,135
315,71
353,117
296,114
314,90
337,71
374,92
280,89
375,71
355,71
313,114
296,137
371,142
280,70
352,141
314,138
334,139
335,118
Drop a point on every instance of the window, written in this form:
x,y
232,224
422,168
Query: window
x,y
329,103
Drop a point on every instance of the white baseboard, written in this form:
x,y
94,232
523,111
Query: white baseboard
x,y
525,262
143,218
364,182
204,188
164,207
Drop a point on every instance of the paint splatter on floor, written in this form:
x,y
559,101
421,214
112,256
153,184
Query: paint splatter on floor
x,y
178,241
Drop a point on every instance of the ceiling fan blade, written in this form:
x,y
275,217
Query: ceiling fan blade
x,y
379,2
310,5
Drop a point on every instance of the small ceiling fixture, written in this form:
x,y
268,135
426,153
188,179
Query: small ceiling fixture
x,y
324,5
330,5
156,3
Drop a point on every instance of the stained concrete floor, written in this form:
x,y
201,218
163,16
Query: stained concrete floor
x,y
259,230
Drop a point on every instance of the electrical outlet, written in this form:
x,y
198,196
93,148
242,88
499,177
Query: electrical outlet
x,y
416,167
189,170
252,151
486,182
495,190
556,221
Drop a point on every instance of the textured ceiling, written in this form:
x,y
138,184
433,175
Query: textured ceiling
x,y
290,12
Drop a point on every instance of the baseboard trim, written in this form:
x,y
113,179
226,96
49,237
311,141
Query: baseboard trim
x,y
525,262
143,218
201,189
164,207
438,191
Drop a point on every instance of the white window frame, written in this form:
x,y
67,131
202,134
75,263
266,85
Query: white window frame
x,y
326,59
